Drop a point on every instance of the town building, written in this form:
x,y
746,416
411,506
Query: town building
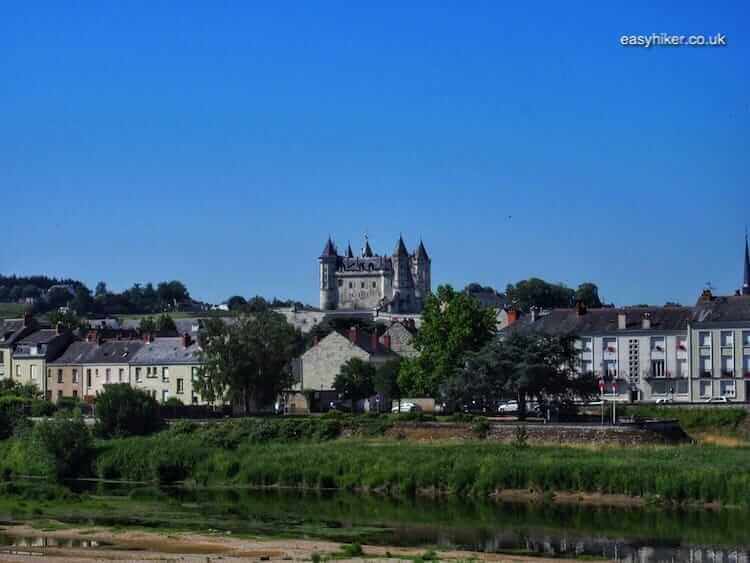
x,y
166,367
399,283
316,370
11,331
32,353
108,361
65,373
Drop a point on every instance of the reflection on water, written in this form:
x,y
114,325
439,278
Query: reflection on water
x,y
44,541
620,534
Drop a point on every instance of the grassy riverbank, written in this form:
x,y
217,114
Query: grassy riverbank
x,y
309,453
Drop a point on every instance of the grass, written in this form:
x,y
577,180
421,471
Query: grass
x,y
304,453
11,310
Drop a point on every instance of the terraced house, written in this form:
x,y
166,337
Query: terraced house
x,y
33,352
167,367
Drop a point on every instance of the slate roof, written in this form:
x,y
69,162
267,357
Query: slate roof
x,y
168,350
43,336
9,329
365,341
76,353
400,248
732,308
114,352
596,321
329,249
422,251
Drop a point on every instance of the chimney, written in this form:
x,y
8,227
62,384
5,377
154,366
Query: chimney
x,y
354,334
512,315
186,340
60,328
646,320
387,341
580,308
622,321
27,319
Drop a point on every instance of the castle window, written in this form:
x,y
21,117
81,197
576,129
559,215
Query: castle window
x,y
374,285
362,285
351,285
341,283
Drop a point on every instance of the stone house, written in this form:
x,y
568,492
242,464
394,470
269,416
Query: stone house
x,y
399,338
107,362
11,331
317,368
65,374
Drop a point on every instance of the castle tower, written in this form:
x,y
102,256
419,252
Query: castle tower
x,y
422,281
746,278
403,283
328,263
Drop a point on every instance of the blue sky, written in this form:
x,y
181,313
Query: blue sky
x,y
219,143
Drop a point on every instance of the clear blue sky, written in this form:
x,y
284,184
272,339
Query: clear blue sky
x,y
220,142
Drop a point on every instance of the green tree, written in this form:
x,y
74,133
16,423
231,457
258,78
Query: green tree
x,y
236,302
355,380
453,324
536,292
147,325
100,291
68,319
385,381
123,410
523,366
172,292
248,362
256,305
68,444
165,324
82,302
588,294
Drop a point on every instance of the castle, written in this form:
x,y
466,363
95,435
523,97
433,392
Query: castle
x,y
398,283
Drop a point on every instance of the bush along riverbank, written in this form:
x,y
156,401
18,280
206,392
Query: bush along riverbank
x,y
306,453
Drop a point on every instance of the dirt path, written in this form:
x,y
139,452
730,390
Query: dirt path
x,y
193,548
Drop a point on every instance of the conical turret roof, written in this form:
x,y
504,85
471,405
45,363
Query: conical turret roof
x,y
400,247
329,249
367,251
349,253
422,251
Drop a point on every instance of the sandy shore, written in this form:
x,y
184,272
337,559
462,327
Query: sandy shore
x,y
194,548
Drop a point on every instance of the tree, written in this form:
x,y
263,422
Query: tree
x,y
30,292
256,305
385,381
453,324
147,325
67,319
521,365
588,294
354,381
100,291
236,302
536,292
4,293
82,302
172,292
248,362
123,410
69,445
165,324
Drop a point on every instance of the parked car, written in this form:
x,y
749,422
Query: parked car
x,y
664,401
340,406
508,407
406,407
718,400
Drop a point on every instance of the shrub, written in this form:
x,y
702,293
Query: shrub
x,y
68,403
521,437
42,408
125,411
68,444
481,428
12,411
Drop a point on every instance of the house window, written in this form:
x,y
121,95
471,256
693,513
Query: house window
x,y
704,338
745,339
657,368
75,393
727,338
195,399
727,389
88,378
374,285
682,343
59,393
2,357
194,372
610,368
107,375
341,282
49,373
59,376
609,345
682,386
705,389
32,370
586,344
18,372
121,375
657,344
138,377
746,365
75,375
681,367
727,366
165,374
351,285
706,367
164,395
180,385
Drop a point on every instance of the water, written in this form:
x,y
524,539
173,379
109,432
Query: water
x,y
621,534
